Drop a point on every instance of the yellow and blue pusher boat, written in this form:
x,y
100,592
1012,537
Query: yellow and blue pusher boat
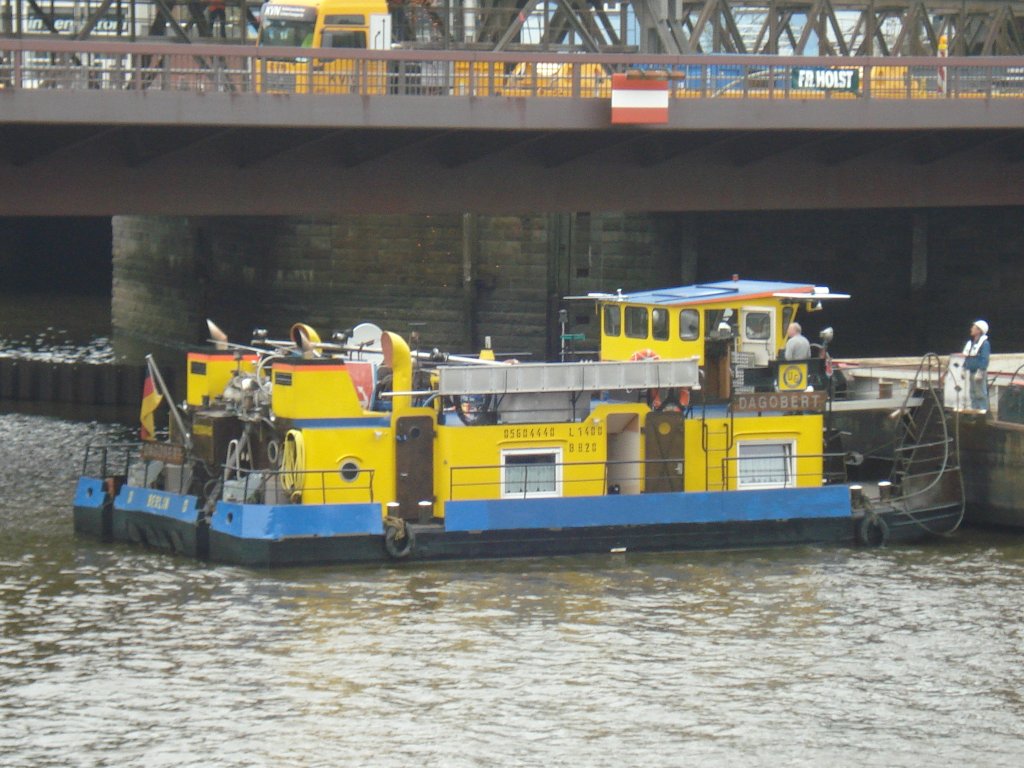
x,y
689,432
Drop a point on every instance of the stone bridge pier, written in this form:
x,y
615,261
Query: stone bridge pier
x,y
918,276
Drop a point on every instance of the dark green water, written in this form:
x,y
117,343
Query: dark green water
x,y
112,656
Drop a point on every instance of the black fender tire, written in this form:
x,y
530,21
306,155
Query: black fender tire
x,y
873,531
398,543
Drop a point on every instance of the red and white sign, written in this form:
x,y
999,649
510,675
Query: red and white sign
x,y
639,101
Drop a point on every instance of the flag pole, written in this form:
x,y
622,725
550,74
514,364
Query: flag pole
x,y
155,373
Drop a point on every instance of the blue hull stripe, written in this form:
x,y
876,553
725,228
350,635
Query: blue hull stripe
x,y
649,509
175,506
276,522
267,521
89,493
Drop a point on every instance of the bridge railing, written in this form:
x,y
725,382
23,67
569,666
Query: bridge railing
x,y
27,64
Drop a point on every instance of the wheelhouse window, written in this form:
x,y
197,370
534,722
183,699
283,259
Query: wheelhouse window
x,y
531,473
788,312
758,326
689,325
659,324
636,322
766,464
612,320
720,322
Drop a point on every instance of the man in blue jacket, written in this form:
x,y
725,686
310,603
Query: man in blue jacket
x,y
976,354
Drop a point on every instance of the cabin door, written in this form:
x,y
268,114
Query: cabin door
x,y
758,338
414,468
663,438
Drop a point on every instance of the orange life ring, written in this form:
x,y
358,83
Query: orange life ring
x,y
644,354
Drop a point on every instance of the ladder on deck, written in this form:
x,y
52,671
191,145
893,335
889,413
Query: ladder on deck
x,y
926,465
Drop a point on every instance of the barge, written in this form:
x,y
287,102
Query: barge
x,y
690,431
992,443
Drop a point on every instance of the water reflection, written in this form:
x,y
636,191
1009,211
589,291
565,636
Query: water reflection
x,y
114,656
74,328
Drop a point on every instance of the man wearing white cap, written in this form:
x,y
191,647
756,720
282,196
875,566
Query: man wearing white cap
x,y
976,353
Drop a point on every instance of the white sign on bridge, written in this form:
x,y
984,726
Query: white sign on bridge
x,y
826,78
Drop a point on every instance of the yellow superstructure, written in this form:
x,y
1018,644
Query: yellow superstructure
x,y
541,430
208,373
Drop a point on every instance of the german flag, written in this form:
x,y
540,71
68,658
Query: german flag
x,y
151,400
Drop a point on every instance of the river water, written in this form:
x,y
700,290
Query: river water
x,y
113,656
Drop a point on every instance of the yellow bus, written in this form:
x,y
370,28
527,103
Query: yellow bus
x,y
328,24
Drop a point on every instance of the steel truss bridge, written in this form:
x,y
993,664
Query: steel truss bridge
x,y
681,27
105,128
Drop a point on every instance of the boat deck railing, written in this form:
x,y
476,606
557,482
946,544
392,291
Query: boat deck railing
x,y
560,479
109,459
782,470
292,486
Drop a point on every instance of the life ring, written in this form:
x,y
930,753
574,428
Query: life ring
x,y
873,531
654,399
398,539
644,354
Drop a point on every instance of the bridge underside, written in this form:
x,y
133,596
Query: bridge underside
x,y
305,157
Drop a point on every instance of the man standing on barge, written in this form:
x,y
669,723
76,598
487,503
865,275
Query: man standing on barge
x,y
797,345
976,354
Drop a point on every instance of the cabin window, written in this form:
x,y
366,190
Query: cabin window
x,y
659,324
612,320
636,322
787,316
758,326
720,323
349,471
531,473
765,464
689,325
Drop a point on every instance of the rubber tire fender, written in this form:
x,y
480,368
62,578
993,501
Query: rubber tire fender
x,y
398,548
873,531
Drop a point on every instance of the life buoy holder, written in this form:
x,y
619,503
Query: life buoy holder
x,y
654,397
873,531
399,540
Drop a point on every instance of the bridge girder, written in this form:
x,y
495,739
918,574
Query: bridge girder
x,y
817,27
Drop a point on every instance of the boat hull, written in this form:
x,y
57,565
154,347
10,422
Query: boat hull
x,y
268,536
171,522
432,542
992,456
93,509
